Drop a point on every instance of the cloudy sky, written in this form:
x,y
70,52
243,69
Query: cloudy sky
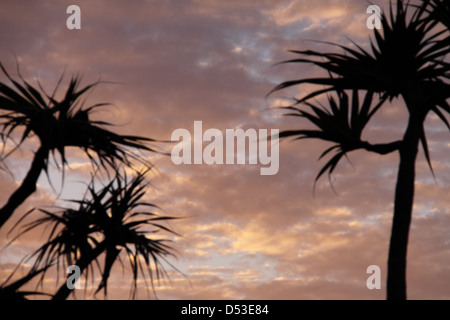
x,y
243,235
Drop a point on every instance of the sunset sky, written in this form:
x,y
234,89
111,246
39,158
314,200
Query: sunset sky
x,y
243,235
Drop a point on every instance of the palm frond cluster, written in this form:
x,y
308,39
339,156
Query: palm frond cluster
x,y
341,123
63,123
407,59
108,221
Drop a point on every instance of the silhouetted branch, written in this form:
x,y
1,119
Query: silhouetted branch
x,y
381,148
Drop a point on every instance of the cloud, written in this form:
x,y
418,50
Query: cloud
x,y
242,235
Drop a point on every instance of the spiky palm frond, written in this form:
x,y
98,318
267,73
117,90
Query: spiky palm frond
x,y
108,221
439,11
11,291
63,123
341,122
123,225
407,56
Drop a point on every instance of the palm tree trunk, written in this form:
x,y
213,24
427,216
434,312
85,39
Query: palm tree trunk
x,y
403,204
84,262
27,187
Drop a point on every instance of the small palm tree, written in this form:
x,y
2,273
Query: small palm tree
x,y
58,124
407,60
109,221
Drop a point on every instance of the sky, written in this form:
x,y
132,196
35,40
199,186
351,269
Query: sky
x,y
243,235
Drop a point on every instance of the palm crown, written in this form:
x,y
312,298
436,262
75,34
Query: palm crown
x,y
109,221
407,54
63,123
341,124
59,124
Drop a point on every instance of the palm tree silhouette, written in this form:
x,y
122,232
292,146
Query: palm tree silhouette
x,y
58,124
109,221
407,61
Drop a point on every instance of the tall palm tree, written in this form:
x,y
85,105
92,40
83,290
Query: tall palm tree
x,y
58,124
111,221
407,61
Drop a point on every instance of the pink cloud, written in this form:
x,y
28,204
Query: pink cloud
x,y
212,61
